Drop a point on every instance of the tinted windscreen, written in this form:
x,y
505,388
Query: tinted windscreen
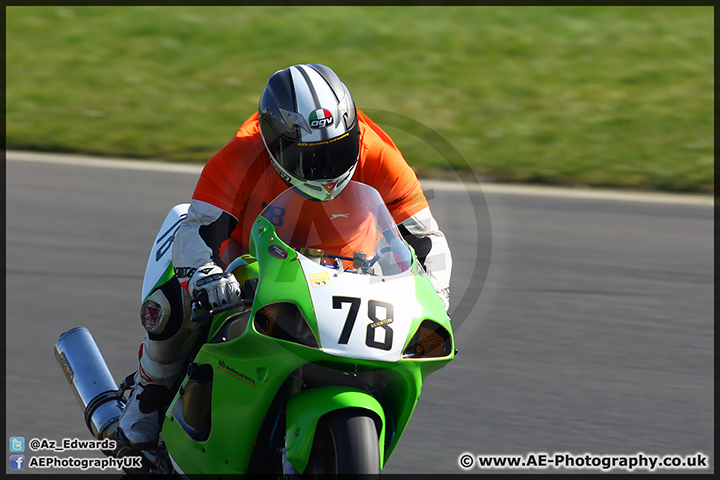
x,y
356,221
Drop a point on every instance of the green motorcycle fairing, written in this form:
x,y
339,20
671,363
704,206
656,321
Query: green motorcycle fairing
x,y
266,366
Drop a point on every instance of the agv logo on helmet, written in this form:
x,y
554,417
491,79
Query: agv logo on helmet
x,y
320,118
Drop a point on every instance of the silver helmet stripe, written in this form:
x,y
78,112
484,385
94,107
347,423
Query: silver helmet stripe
x,y
308,82
312,93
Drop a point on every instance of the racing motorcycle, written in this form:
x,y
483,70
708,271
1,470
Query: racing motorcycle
x,y
316,370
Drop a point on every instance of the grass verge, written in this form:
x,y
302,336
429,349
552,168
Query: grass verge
x,y
599,96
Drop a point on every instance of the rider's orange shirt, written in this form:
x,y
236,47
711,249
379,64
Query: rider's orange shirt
x,y
241,180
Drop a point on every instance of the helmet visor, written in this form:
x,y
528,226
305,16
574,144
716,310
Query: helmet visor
x,y
327,159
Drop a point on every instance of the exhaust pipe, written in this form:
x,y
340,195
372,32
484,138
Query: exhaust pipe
x,y
91,380
100,397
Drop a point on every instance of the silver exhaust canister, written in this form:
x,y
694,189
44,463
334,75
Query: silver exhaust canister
x,y
91,380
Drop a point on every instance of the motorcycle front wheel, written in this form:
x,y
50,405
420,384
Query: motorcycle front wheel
x,y
346,442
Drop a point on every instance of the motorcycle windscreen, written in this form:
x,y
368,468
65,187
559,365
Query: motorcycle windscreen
x,y
356,221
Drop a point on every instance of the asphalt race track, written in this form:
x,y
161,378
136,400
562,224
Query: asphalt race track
x,y
584,325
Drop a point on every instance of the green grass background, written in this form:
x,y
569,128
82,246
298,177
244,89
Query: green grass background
x,y
598,96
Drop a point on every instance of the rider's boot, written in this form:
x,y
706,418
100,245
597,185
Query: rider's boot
x,y
153,391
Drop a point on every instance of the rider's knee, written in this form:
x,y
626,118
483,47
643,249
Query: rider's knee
x,y
165,310
166,317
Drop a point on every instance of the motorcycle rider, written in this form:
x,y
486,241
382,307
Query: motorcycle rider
x,y
307,134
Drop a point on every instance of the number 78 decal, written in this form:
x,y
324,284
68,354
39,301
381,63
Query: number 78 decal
x,y
372,313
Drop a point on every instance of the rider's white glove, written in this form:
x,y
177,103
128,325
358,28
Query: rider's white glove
x,y
221,288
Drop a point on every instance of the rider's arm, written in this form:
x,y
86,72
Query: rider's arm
x,y
216,205
196,255
198,240
383,167
421,231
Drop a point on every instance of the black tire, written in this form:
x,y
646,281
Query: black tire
x,y
346,442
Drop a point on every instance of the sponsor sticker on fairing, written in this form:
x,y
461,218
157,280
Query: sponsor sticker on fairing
x,y
321,279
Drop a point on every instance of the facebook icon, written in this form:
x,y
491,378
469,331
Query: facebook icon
x,y
17,462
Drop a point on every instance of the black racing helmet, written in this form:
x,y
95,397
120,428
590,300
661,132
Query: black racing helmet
x,y
310,129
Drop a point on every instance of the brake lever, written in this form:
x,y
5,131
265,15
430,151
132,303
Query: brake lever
x,y
209,313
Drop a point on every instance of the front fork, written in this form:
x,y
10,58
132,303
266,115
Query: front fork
x,y
287,468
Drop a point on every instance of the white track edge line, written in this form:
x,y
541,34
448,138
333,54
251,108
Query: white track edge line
x,y
440,185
